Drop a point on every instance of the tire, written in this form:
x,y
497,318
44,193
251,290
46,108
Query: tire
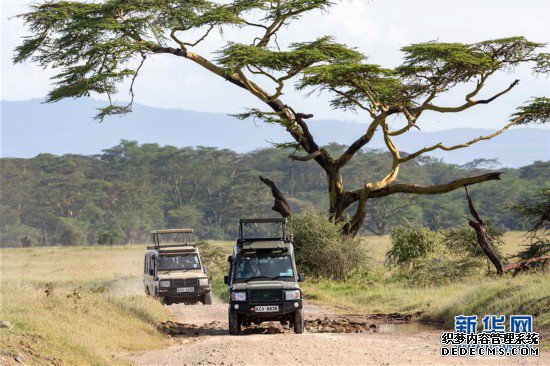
x,y
167,301
234,323
207,299
299,321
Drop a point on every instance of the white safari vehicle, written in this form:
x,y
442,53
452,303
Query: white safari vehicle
x,y
173,270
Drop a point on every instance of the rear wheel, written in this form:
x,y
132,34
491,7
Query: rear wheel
x,y
234,323
207,299
299,321
167,301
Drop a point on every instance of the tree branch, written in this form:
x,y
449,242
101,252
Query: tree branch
x,y
463,145
437,189
359,143
281,204
308,157
470,102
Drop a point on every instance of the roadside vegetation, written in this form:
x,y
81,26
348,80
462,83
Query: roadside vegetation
x,y
78,305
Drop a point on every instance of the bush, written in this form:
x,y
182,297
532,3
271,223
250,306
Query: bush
x,y
440,271
321,250
110,237
70,232
411,243
462,241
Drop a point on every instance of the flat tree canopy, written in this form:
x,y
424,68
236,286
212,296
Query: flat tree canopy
x,y
93,45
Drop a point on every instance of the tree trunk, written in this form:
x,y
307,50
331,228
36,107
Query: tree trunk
x,y
481,233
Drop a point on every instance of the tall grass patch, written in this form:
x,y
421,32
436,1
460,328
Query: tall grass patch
x,y
77,305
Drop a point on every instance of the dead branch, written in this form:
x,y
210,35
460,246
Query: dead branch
x,y
479,226
281,204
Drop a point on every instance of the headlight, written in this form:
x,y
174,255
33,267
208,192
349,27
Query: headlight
x,y
238,296
165,283
292,295
203,281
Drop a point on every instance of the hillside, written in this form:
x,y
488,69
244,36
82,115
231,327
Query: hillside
x,y
120,195
30,128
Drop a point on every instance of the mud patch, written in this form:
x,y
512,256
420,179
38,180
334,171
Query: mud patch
x,y
193,330
341,325
326,325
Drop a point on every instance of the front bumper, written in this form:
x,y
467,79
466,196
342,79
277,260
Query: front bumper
x,y
248,310
172,292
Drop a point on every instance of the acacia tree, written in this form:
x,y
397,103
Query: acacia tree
x,y
93,48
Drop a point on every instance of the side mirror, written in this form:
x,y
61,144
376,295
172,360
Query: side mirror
x,y
301,277
226,280
230,259
151,272
205,270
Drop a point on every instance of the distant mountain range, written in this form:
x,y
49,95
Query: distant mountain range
x,y
30,127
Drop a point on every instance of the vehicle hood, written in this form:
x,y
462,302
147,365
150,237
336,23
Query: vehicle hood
x,y
196,273
263,285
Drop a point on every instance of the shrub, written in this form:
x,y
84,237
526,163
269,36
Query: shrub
x,y
110,237
440,271
462,241
70,232
411,243
321,250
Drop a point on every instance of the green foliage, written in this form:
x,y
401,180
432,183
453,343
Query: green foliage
x,y
411,243
440,271
110,237
322,251
536,212
536,111
298,56
137,188
461,241
70,232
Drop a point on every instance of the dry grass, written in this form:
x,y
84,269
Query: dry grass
x,y
95,314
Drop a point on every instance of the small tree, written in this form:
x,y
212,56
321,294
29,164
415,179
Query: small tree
x,y
411,243
110,237
322,250
95,46
537,214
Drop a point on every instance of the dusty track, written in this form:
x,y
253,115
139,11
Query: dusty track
x,y
200,338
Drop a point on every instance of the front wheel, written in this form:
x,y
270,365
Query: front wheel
x,y
234,323
207,299
299,321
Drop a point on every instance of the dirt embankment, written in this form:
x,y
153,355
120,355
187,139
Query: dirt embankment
x,y
332,338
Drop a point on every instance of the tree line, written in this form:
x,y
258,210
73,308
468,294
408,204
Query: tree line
x,y
120,195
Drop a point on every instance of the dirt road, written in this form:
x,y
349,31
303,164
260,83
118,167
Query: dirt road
x,y
200,338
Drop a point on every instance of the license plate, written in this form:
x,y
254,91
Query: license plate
x,y
267,309
185,289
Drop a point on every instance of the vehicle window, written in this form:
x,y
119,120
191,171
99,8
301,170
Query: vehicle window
x,y
263,266
178,262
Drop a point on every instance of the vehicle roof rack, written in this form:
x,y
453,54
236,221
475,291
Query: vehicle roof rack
x,y
263,220
276,220
157,233
172,231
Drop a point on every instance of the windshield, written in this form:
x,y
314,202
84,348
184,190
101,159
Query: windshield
x,y
178,262
250,267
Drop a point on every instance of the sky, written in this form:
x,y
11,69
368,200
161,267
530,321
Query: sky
x,y
377,28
